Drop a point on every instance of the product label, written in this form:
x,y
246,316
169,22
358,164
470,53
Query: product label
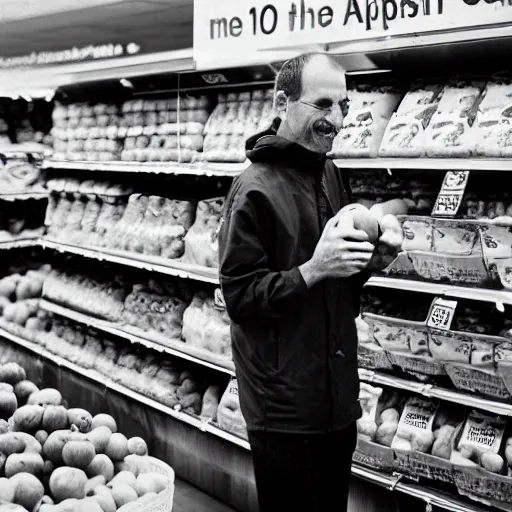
x,y
483,432
451,194
441,314
416,420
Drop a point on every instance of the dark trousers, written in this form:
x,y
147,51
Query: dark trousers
x,y
303,472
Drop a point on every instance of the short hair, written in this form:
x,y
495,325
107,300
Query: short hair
x,y
289,77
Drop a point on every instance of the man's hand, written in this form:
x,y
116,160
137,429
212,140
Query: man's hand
x,y
389,244
342,251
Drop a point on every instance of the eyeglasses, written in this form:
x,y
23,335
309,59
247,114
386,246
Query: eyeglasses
x,y
344,106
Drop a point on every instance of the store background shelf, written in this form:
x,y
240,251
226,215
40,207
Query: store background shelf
x,y
432,391
442,289
175,348
391,482
171,267
206,169
19,244
442,164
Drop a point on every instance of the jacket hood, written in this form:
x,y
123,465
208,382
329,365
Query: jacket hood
x,y
267,146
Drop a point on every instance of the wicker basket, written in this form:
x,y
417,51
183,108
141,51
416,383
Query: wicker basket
x,y
476,482
424,465
375,456
483,381
163,501
373,359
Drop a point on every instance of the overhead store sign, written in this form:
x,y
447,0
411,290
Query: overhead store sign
x,y
71,55
235,27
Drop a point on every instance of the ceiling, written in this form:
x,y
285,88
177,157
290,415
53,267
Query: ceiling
x,y
28,26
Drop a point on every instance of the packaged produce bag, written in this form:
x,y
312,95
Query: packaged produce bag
x,y
229,415
201,240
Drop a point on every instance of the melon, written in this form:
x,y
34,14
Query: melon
x,y
7,490
104,420
47,396
23,390
88,505
150,482
117,447
78,454
8,404
99,437
359,217
12,373
101,465
53,446
55,417
66,482
41,436
123,494
94,482
123,477
28,418
29,490
81,418
24,463
106,502
137,446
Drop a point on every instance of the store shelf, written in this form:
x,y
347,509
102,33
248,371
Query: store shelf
x,y
114,386
434,164
391,482
19,244
206,169
23,196
430,391
171,267
176,348
431,497
443,289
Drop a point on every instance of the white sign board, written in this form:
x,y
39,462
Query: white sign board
x,y
244,27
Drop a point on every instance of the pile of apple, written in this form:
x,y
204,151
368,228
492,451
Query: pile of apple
x,y
55,459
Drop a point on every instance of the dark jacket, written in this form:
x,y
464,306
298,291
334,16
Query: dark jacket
x,y
294,349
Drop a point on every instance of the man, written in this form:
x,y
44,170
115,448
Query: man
x,y
291,279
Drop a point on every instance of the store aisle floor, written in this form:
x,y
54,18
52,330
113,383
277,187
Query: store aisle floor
x,y
188,498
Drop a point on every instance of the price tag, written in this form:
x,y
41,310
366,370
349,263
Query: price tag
x,y
451,194
441,314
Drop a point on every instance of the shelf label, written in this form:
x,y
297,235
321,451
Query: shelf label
x,y
451,194
441,314
240,29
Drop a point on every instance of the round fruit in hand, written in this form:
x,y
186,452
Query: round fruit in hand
x,y
357,216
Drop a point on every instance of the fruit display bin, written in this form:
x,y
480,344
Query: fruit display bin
x,y
373,358
375,456
396,335
466,374
424,465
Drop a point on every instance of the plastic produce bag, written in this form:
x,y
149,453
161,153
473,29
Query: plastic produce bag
x,y
201,245
229,415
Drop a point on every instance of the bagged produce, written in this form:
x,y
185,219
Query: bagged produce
x,y
450,130
405,132
492,133
370,110
481,442
415,428
229,415
201,245
207,326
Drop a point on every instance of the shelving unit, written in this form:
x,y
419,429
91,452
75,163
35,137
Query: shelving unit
x,y
210,169
391,482
434,164
171,267
442,289
24,196
176,348
19,244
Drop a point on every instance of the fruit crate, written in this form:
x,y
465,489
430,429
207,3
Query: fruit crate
x,y
375,456
424,465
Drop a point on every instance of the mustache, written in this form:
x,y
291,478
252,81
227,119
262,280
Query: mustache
x,y
326,126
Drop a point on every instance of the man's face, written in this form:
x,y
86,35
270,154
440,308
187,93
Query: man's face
x,y
317,116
